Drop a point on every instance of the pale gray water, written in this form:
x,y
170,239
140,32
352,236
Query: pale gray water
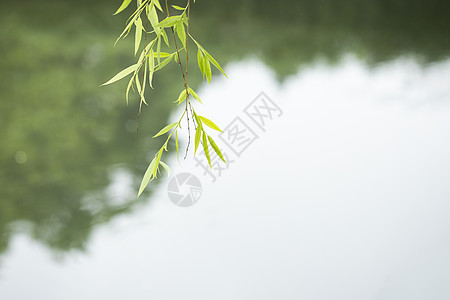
x,y
345,196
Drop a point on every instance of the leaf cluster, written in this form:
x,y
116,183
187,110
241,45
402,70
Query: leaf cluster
x,y
146,20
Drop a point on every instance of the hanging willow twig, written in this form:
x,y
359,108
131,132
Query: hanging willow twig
x,y
152,59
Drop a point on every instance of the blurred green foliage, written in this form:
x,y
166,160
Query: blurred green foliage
x,y
61,135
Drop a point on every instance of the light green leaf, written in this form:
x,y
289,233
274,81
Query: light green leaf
x,y
164,62
166,167
124,5
147,176
201,64
198,133
165,129
158,50
130,83
164,35
214,146
208,70
176,145
162,54
138,36
156,2
125,72
158,158
168,22
178,7
181,97
215,63
153,16
151,66
209,123
181,33
191,91
205,148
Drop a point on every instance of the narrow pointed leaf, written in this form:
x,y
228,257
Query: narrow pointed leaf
x,y
178,7
198,133
200,62
138,35
166,167
205,148
158,50
151,67
147,176
164,35
191,91
153,16
130,83
209,123
164,62
156,2
162,54
124,5
165,129
168,22
216,149
208,70
215,63
158,158
181,33
122,74
181,97
176,145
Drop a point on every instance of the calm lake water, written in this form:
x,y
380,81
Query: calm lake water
x,y
337,185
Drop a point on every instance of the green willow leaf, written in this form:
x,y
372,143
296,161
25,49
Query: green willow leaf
x,y
205,148
215,63
165,129
201,64
124,5
176,145
130,83
209,123
162,54
158,50
208,72
181,97
164,62
156,2
164,35
198,133
168,22
153,16
138,36
151,67
181,33
166,167
216,148
158,158
125,72
147,176
191,91
178,7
